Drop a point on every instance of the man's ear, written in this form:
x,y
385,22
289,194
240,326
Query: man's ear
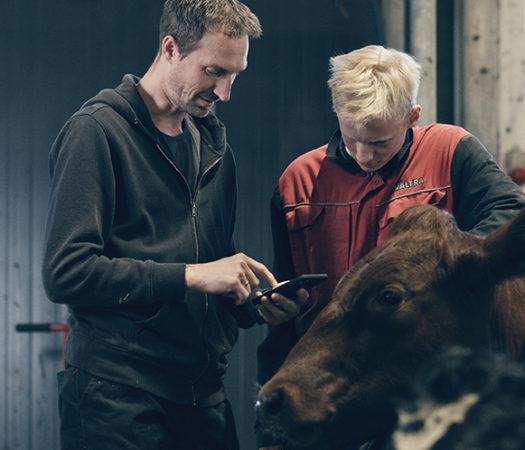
x,y
169,48
414,116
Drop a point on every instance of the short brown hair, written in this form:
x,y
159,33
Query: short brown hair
x,y
188,20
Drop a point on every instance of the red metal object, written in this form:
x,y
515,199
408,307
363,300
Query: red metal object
x,y
46,327
518,176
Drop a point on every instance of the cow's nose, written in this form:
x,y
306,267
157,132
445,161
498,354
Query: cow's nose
x,y
270,403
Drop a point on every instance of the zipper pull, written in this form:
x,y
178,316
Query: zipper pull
x,y
193,209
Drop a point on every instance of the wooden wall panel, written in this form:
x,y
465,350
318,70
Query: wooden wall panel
x,y
511,105
493,84
18,276
480,71
423,45
4,237
395,21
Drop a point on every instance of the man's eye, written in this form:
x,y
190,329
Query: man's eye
x,y
213,72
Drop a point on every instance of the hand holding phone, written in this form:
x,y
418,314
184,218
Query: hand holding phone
x,y
289,287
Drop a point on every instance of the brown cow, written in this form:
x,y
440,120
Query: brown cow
x,y
428,287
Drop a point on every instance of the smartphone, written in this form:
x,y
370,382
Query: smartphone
x,y
289,287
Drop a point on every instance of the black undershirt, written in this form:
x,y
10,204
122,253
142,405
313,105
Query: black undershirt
x,y
179,150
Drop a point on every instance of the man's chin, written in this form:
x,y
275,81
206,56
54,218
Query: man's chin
x,y
200,114
199,111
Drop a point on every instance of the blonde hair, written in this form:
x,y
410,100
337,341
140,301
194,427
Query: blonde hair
x,y
374,82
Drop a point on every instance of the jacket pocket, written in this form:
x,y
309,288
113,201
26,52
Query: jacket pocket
x,y
303,216
395,206
318,237
173,335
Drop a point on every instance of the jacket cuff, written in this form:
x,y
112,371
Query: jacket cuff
x,y
168,282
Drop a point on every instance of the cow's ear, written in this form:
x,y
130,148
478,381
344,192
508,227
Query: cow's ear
x,y
505,249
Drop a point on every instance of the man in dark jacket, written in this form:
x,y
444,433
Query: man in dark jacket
x,y
336,203
139,245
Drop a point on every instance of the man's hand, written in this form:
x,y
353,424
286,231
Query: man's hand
x,y
279,309
234,276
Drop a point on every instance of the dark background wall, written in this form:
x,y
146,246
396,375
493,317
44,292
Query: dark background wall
x,y
54,56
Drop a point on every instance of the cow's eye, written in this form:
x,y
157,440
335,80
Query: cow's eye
x,y
391,297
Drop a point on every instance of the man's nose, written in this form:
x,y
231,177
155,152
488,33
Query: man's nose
x,y
363,153
223,88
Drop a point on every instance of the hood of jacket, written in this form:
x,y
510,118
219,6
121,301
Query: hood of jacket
x,y
126,101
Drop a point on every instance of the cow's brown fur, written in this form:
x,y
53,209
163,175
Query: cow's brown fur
x,y
428,287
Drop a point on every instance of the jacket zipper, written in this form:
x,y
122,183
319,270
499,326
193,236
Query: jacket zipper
x,y
194,218
193,204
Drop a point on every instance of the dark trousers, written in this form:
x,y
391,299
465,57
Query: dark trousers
x,y
96,414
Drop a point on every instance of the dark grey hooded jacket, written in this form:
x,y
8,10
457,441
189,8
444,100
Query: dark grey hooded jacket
x,y
122,225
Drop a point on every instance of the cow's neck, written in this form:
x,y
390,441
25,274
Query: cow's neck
x,y
508,320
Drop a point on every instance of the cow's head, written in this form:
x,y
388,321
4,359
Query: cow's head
x,y
428,287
